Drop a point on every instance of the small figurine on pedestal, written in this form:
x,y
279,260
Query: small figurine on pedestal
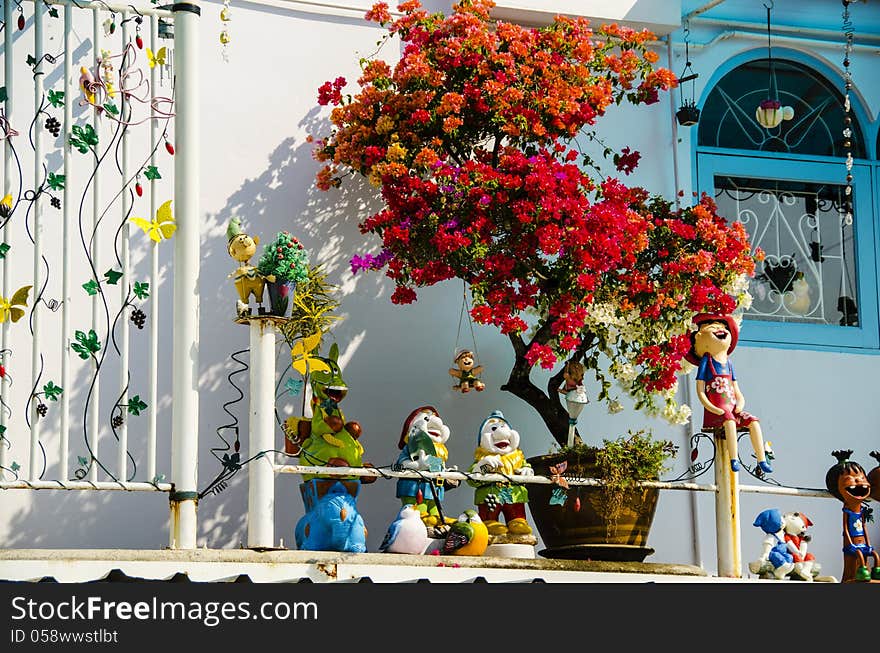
x,y
847,481
466,371
248,280
575,394
423,447
498,451
711,345
407,533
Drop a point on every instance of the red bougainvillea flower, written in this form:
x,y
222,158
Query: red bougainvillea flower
x,y
468,138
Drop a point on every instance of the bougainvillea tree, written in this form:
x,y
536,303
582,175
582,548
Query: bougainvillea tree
x,y
472,139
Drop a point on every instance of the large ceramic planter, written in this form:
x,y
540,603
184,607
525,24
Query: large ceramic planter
x,y
581,529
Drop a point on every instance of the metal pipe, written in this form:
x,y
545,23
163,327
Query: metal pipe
x,y
102,486
36,354
153,371
124,281
487,478
63,462
727,530
8,162
185,342
700,10
781,29
261,431
118,8
94,422
755,36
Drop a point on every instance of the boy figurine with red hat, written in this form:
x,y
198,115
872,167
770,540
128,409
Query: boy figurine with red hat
x,y
422,447
711,345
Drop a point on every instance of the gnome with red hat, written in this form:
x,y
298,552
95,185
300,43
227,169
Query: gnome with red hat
x,y
422,447
712,343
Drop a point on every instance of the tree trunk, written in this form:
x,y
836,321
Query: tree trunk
x,y
519,384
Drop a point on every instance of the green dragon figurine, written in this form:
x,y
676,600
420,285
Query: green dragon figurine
x,y
327,439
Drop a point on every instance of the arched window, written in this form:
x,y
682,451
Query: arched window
x,y
786,183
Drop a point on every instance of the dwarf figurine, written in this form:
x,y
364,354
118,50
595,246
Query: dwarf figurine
x,y
717,388
422,447
848,482
248,280
498,451
466,372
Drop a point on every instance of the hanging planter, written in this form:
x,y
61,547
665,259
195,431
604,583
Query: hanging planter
x,y
770,112
688,115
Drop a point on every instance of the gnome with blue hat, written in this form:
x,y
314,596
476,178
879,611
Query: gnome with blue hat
x,y
498,452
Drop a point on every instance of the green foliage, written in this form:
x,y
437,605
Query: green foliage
x,y
285,257
91,287
152,173
52,391
314,305
142,289
620,464
56,182
136,405
56,98
113,276
83,137
87,344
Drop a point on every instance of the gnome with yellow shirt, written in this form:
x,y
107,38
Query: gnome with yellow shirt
x,y
498,452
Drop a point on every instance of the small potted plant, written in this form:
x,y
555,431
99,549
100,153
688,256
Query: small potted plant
x,y
285,258
606,522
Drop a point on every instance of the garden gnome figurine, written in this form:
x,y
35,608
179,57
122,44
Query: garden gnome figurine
x,y
711,346
248,280
466,371
575,394
422,447
498,451
847,481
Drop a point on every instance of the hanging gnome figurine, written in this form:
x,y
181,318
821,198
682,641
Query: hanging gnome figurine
x,y
422,447
466,371
498,451
717,388
248,280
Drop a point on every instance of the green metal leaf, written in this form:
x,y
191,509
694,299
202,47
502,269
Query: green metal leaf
x,y
110,108
3,95
56,182
52,391
152,173
4,247
82,460
31,60
14,466
91,287
135,405
141,289
112,276
87,344
56,98
82,137
53,12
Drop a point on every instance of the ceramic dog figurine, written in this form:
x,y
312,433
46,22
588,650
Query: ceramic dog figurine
x,y
776,557
795,525
847,481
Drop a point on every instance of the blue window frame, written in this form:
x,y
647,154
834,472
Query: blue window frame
x,y
817,287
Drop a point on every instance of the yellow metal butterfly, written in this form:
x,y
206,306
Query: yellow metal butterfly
x,y
162,227
9,308
5,206
157,58
301,353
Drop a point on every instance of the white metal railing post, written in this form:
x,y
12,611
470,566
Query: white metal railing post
x,y
125,256
185,365
94,423
154,280
261,430
7,188
63,445
36,355
727,527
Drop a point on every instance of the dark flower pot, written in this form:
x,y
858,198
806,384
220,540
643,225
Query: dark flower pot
x,y
688,115
279,297
581,529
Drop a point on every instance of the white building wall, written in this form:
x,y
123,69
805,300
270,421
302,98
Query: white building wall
x,y
258,110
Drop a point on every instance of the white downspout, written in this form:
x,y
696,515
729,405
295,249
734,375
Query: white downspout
x,y
688,429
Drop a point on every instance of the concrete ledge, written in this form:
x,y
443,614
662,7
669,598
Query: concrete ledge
x,y
219,565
